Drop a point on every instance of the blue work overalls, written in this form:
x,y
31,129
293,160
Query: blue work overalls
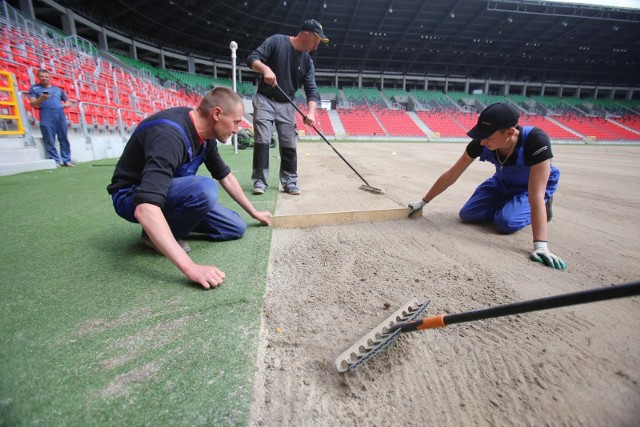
x,y
53,122
191,201
504,198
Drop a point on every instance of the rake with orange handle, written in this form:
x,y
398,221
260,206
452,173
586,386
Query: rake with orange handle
x,y
390,330
564,300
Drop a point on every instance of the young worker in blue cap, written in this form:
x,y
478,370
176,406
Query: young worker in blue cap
x,y
521,190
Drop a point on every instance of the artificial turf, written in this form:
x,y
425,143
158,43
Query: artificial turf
x,y
97,329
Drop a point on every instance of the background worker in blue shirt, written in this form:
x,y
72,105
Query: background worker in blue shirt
x,y
51,101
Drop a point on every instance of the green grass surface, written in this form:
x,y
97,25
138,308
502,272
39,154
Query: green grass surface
x,y
96,329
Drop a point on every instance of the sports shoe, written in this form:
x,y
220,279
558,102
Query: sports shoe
x,y
69,165
548,206
258,190
148,243
292,189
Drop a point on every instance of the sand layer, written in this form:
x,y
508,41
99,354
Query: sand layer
x,y
328,286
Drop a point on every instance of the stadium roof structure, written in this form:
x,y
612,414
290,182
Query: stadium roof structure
x,y
498,40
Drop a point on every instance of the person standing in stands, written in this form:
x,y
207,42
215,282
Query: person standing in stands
x,y
521,190
51,101
284,61
155,182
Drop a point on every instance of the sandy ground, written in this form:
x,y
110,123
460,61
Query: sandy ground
x,y
328,286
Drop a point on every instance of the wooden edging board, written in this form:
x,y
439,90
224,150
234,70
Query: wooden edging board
x,y
346,217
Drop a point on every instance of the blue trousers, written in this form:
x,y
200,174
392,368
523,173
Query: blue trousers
x,y
52,123
191,206
492,202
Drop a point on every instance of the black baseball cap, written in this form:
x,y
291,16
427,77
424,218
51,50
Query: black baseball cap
x,y
314,26
493,118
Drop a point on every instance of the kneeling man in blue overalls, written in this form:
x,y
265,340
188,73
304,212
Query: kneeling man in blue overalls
x,y
155,182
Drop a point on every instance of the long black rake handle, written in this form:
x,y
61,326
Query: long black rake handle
x,y
323,137
564,300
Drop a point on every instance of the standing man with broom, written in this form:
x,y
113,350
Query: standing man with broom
x,y
283,61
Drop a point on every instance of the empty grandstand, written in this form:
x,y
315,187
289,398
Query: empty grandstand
x,y
113,88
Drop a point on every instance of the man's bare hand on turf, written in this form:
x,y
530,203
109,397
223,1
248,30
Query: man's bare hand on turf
x,y
207,276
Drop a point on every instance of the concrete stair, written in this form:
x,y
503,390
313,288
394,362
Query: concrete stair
x,y
338,127
423,127
14,168
15,157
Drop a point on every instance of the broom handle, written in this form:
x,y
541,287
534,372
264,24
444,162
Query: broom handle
x,y
321,135
563,300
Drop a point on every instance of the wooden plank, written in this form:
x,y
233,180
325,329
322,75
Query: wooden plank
x,y
346,217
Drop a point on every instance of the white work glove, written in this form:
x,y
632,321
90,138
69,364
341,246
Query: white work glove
x,y
416,207
542,255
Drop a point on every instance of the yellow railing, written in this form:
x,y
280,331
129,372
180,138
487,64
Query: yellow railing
x,y
9,103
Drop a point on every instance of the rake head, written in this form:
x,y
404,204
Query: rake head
x,y
379,337
371,189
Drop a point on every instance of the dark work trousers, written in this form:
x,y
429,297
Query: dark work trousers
x,y
266,112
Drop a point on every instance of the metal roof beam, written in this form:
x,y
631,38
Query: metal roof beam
x,y
564,10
